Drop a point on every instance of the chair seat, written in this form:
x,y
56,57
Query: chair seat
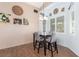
x,y
39,39
41,44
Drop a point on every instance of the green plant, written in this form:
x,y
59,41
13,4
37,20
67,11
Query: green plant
x,y
5,17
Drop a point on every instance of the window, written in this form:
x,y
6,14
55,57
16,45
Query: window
x,y
60,24
72,23
44,25
52,24
57,24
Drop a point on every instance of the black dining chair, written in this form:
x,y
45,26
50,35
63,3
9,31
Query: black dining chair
x,y
52,44
37,41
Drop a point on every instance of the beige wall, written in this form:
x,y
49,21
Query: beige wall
x,y
14,34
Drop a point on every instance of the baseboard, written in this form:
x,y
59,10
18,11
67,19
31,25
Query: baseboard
x,y
16,45
69,48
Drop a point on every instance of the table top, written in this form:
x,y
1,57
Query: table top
x,y
45,35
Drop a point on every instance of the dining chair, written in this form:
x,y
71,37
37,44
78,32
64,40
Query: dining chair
x,y
37,41
52,43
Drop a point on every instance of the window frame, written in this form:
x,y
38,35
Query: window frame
x,y
61,24
55,16
72,21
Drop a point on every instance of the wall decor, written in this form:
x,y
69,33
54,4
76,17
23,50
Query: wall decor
x,y
50,14
62,10
20,21
4,17
71,4
17,10
17,21
55,10
25,21
36,11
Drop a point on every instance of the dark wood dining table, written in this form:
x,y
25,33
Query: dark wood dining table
x,y
45,46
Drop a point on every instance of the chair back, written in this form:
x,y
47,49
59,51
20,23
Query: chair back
x,y
52,38
37,36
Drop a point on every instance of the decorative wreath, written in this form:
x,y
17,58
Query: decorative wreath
x,y
55,11
17,10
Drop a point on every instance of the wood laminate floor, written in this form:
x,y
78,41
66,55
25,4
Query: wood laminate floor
x,y
27,51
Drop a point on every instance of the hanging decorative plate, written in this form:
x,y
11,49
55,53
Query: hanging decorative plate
x,y
55,11
17,10
62,10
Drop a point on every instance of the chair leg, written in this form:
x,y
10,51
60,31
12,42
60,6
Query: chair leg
x,y
35,45
34,41
56,48
51,51
38,47
48,46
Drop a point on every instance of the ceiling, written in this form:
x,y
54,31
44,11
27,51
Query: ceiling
x,y
40,5
36,4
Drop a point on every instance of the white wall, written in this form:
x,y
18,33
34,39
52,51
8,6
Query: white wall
x,y
14,34
67,39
